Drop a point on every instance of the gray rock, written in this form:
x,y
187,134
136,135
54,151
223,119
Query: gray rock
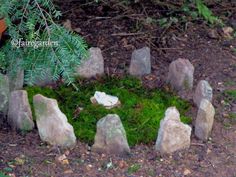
x,y
4,96
180,74
16,82
213,34
46,80
204,120
203,90
52,124
19,111
92,66
110,136
140,62
173,135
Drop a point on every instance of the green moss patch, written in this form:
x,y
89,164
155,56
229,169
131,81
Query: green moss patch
x,y
231,94
141,110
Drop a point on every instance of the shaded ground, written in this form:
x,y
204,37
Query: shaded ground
x,y
213,59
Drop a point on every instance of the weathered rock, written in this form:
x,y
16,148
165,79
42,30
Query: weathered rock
x,y
204,120
213,34
92,66
67,25
173,135
227,32
19,111
16,82
108,101
110,136
203,90
180,74
140,62
46,80
52,124
4,96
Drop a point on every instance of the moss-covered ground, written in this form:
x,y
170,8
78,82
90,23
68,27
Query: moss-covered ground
x,y
231,94
230,97
141,110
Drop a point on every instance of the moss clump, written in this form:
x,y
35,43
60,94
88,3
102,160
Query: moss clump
x,y
231,94
140,112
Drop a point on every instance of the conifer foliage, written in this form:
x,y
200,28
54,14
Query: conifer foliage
x,y
38,45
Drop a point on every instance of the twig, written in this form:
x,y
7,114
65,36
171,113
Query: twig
x,y
99,18
197,144
167,4
109,48
174,48
127,34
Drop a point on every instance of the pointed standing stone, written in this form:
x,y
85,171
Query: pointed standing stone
x,y
46,80
205,119
19,112
140,62
110,136
92,66
16,82
173,135
52,124
180,75
4,96
203,90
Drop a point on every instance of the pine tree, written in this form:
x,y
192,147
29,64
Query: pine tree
x,y
34,21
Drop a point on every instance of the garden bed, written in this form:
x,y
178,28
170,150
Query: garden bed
x,y
140,111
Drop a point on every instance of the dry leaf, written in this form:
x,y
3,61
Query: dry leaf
x,y
67,25
227,32
78,30
187,172
122,164
62,159
67,152
68,172
11,175
19,161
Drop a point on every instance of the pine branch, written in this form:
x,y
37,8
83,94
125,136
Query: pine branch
x,y
35,22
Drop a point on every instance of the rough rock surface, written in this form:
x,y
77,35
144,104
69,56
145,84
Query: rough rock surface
x,y
204,120
92,66
111,136
180,75
16,82
52,124
46,80
203,90
4,96
173,135
19,111
140,62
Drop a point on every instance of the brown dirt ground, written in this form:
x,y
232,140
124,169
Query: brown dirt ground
x,y
213,60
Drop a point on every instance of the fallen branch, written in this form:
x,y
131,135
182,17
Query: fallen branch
x,y
197,144
127,34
